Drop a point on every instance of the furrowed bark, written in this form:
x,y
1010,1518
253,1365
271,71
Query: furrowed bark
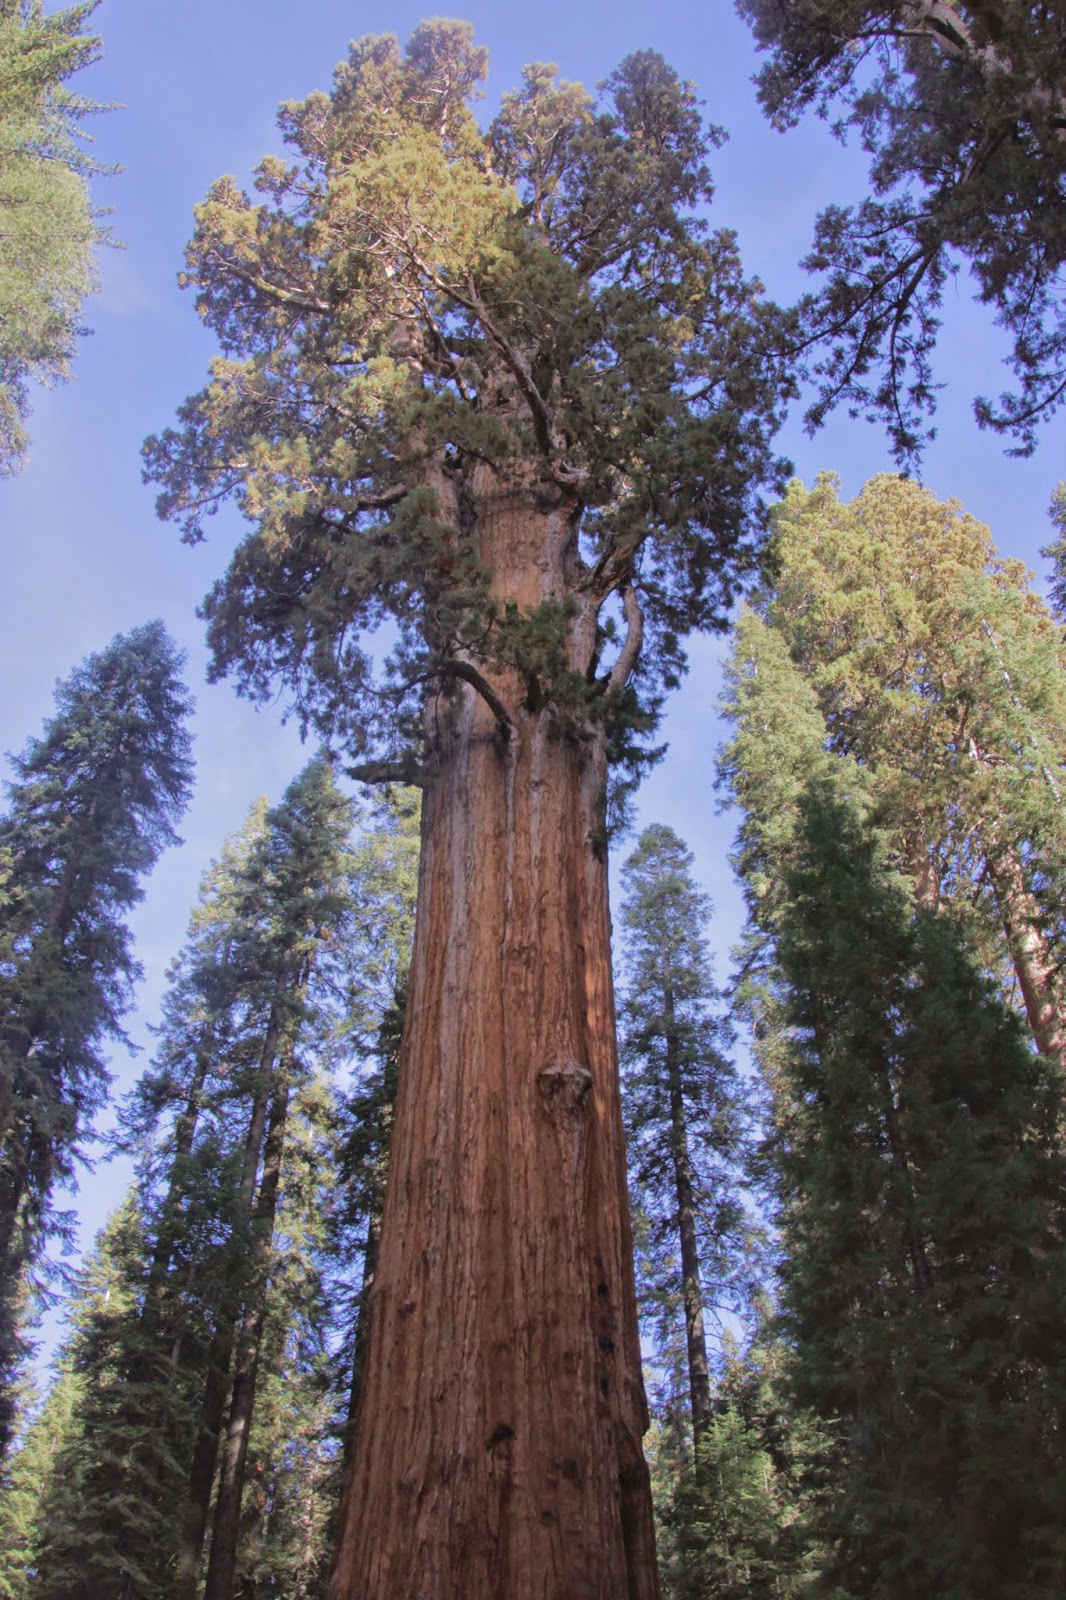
x,y
497,1451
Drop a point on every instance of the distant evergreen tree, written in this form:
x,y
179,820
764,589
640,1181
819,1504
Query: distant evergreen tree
x,y
301,872
32,1469
682,1106
208,1379
94,802
384,884
1055,551
68,1544
735,1526
222,1124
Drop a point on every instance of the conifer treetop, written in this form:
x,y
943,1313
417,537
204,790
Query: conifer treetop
x,y
417,317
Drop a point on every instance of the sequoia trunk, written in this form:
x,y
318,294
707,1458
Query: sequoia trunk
x,y
1035,967
497,1453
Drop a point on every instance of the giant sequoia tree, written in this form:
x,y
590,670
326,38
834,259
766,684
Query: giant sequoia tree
x,y
938,668
506,390
962,108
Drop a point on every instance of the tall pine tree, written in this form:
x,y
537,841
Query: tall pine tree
x,y
94,802
682,1107
231,1210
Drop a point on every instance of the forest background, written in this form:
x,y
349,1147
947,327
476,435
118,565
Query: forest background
x,y
82,555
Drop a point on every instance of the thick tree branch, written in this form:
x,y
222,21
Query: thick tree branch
x,y
282,297
453,667
404,770
470,674
629,654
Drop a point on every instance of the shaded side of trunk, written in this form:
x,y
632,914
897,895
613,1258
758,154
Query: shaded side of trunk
x,y
699,1376
223,1561
497,1452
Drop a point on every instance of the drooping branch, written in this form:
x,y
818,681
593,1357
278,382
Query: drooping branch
x,y
466,670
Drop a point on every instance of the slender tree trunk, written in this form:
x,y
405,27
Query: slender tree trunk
x,y
223,1562
362,1325
1036,972
498,1442
204,1460
220,1354
699,1375
170,1215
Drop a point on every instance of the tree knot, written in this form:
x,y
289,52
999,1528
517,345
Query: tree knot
x,y
565,1083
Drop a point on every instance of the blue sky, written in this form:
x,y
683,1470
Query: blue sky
x,y
82,554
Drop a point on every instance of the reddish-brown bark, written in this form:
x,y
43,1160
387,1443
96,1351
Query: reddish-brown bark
x,y
1035,968
497,1452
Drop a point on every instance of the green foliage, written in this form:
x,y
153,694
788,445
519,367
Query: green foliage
x,y
681,1099
93,804
915,1142
32,1470
294,951
417,317
50,229
1056,550
918,1153
935,666
734,1522
960,104
73,1551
